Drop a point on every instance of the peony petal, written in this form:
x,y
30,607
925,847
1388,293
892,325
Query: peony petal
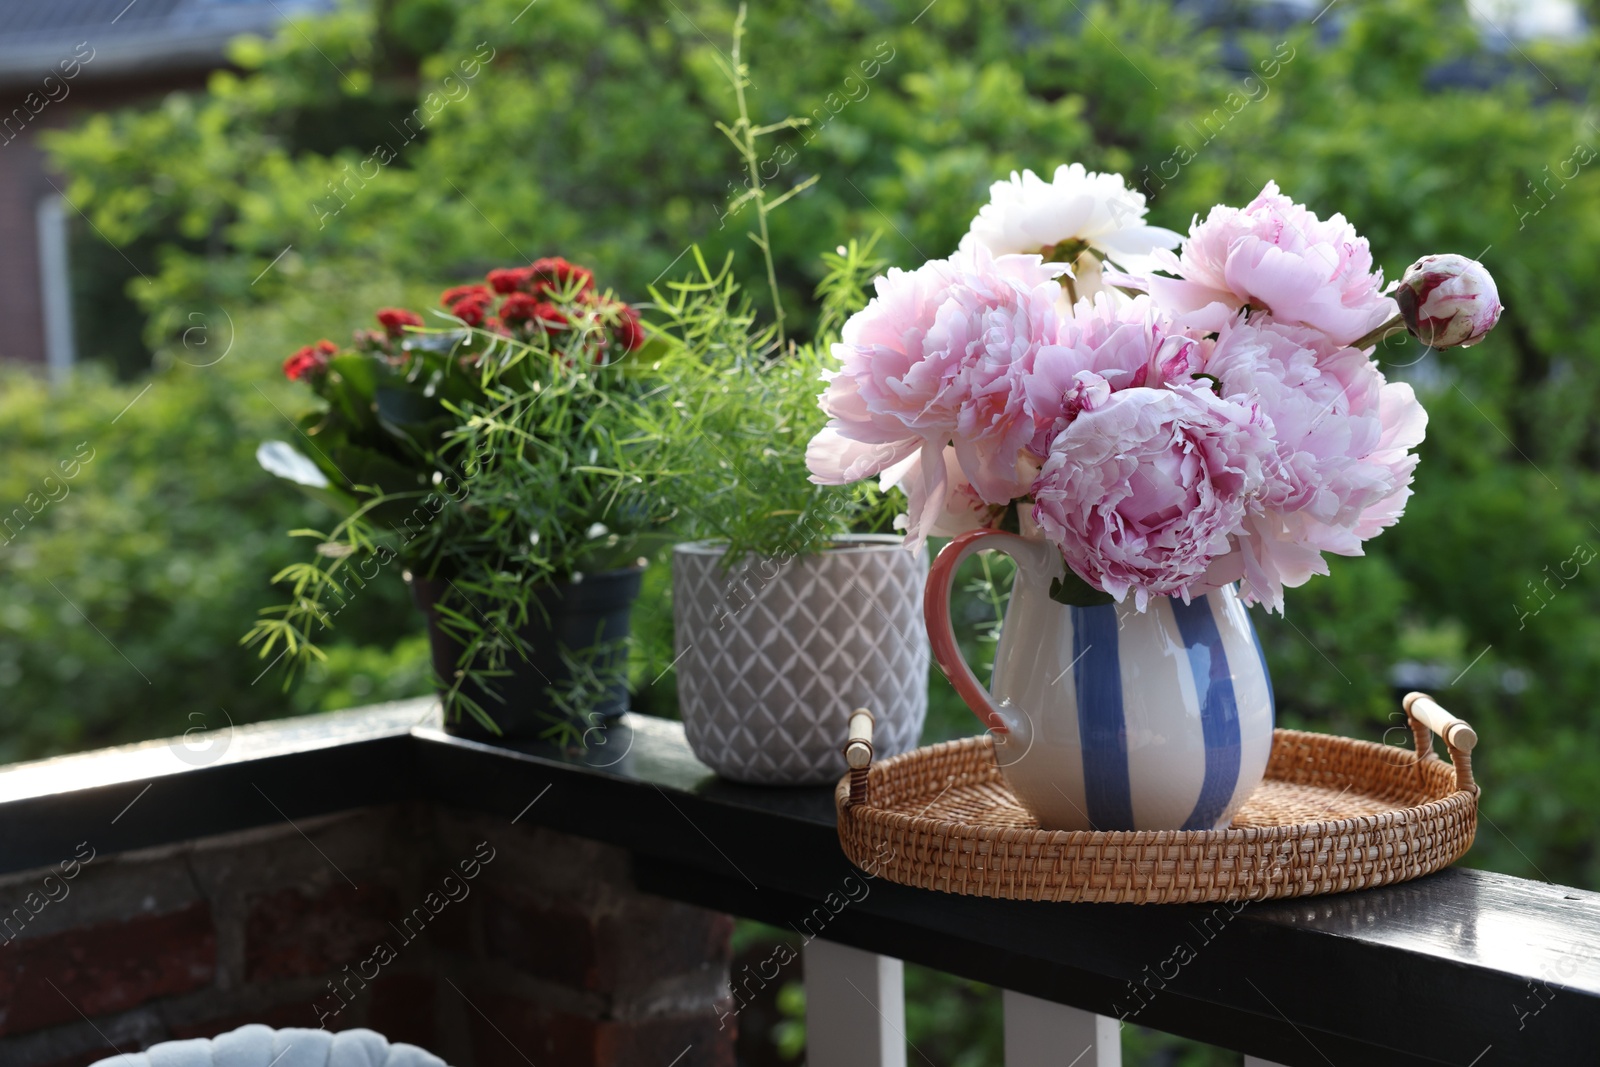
x,y
833,458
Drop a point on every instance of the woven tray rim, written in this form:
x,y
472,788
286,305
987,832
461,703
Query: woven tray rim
x,y
1351,836
1131,838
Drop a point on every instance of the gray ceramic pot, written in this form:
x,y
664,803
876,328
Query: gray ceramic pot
x,y
775,652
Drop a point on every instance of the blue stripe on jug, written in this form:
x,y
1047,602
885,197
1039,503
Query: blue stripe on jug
x,y
1102,730
1219,709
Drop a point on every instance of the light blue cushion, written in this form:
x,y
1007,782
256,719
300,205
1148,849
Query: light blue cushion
x,y
248,1046
261,1046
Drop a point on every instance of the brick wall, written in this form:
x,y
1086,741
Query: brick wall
x,y
488,943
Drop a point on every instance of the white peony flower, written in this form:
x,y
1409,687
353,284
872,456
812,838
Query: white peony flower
x,y
1080,214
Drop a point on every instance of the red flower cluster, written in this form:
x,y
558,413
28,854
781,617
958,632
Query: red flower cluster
x,y
506,279
627,332
551,275
554,274
310,361
451,297
395,320
525,307
547,295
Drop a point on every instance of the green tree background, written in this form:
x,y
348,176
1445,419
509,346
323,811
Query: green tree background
x,y
252,217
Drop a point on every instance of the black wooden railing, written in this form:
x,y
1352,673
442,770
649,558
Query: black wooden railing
x,y
1462,967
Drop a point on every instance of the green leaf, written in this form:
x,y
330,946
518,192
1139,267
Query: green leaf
x,y
359,465
413,418
335,499
1074,591
352,380
440,342
360,374
641,359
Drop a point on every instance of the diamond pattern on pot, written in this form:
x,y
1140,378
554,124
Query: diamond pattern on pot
x,y
775,653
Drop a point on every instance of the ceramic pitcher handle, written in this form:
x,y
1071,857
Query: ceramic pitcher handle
x,y
936,612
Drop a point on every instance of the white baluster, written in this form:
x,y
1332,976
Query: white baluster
x,y
1040,1033
855,1007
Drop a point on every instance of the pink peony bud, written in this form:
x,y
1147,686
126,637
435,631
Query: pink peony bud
x,y
1448,301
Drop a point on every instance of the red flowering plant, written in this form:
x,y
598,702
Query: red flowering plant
x,y
513,445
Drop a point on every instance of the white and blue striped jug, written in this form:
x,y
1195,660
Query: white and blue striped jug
x,y
1106,717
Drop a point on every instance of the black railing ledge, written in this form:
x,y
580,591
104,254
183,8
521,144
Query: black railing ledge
x,y
1463,967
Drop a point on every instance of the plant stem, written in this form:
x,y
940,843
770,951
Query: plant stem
x,y
1375,336
991,593
748,150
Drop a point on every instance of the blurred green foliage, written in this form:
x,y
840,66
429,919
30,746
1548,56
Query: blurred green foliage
x,y
124,582
588,132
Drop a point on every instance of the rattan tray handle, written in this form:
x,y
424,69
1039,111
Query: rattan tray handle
x,y
858,753
1426,714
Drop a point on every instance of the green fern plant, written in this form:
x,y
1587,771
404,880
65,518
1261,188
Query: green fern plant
x,y
753,409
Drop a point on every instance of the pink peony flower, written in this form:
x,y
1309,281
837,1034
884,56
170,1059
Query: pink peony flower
x,y
1448,301
1275,256
1342,465
961,508
1143,492
1107,345
940,354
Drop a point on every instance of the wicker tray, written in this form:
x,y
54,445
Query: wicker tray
x,y
1334,814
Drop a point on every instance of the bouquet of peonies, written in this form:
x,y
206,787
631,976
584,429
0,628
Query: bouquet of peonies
x,y
1172,421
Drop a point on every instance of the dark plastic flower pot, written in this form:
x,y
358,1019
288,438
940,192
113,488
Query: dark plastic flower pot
x,y
577,617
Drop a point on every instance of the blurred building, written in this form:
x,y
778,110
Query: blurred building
x,y
58,59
